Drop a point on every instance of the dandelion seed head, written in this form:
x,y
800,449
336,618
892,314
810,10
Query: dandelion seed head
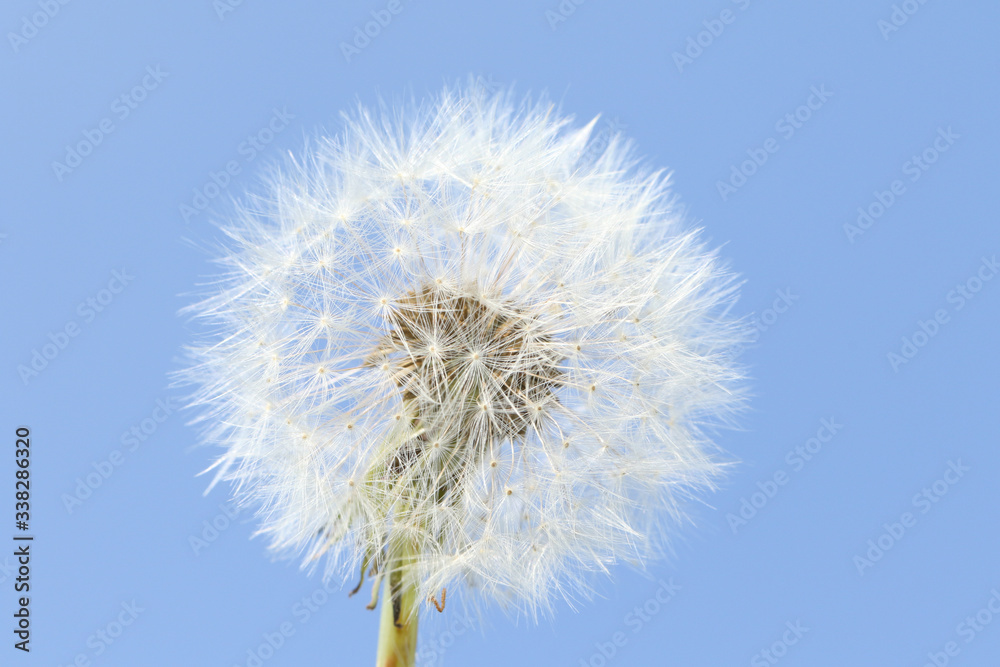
x,y
458,327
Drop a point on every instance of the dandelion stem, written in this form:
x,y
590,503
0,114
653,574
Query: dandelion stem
x,y
397,638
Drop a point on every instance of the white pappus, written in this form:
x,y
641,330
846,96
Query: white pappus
x,y
455,344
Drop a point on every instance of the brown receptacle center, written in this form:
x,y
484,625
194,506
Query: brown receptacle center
x,y
472,371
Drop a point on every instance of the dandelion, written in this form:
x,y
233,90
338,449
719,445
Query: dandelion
x,y
457,349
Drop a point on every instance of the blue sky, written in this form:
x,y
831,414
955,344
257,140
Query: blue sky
x,y
844,156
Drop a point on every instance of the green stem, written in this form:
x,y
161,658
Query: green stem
x,y
397,644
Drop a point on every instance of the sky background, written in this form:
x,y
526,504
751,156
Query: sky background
x,y
879,549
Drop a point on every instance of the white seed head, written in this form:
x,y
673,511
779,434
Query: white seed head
x,y
460,328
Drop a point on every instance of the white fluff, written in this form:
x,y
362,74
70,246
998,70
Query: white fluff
x,y
459,328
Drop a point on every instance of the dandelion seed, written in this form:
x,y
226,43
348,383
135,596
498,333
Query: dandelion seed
x,y
489,294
